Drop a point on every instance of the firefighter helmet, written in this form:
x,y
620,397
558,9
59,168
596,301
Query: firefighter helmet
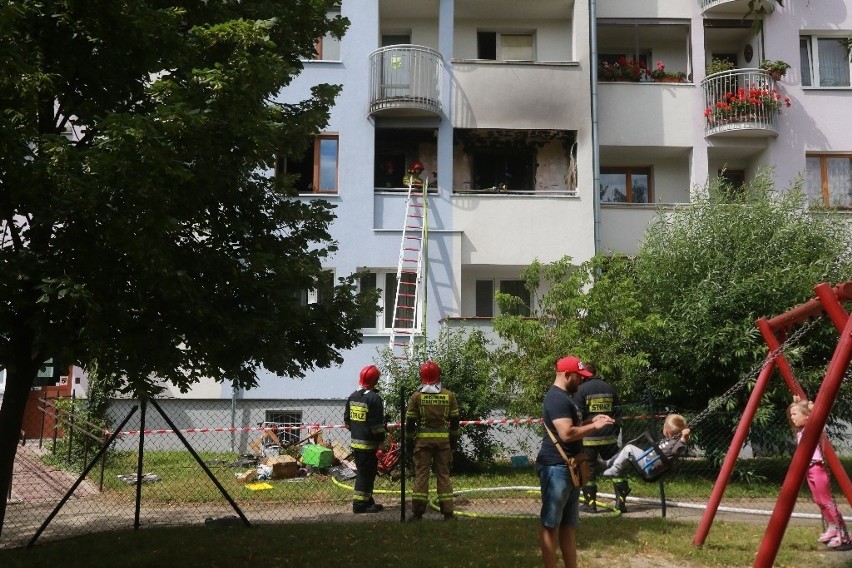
x,y
416,166
430,373
369,377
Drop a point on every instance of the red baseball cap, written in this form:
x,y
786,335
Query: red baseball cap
x,y
571,364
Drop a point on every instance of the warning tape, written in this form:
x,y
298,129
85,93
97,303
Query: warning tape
x,y
313,427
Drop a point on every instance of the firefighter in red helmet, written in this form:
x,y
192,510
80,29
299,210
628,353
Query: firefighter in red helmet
x,y
364,416
412,176
432,426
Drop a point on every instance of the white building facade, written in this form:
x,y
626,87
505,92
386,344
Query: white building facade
x,y
532,151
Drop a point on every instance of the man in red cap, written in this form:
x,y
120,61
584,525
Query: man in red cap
x,y
364,416
560,498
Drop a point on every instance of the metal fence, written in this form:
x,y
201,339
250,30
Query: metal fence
x,y
272,461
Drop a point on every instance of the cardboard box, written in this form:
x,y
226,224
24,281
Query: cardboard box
x,y
248,476
285,470
317,456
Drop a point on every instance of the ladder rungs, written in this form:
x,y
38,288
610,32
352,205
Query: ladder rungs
x,y
414,237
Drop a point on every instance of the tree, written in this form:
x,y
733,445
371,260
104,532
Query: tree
x,y
139,226
467,368
714,266
592,311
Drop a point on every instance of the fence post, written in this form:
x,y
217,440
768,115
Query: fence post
x,y
402,453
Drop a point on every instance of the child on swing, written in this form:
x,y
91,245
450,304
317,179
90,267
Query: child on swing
x,y
819,482
673,445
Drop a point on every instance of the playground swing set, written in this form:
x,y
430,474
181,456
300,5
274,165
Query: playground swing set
x,y
776,333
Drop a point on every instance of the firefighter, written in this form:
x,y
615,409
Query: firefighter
x,y
432,427
595,396
364,416
412,176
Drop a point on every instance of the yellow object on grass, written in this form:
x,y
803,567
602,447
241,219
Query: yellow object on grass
x,y
258,486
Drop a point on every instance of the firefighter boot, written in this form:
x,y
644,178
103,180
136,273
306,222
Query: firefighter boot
x,y
590,494
622,490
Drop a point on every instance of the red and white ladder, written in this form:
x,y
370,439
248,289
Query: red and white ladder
x,y
409,273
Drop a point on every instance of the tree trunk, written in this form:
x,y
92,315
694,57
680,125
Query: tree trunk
x,y
19,382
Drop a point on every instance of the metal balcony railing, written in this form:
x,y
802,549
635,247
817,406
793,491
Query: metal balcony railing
x,y
745,100
733,6
407,78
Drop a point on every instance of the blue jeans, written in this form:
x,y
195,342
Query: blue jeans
x,y
560,500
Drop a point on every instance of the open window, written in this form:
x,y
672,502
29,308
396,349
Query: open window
x,y
316,168
505,46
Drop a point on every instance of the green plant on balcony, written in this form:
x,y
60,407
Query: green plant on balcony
x,y
746,105
719,65
660,75
621,70
776,69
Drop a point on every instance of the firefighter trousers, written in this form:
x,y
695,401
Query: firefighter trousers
x,y
434,456
366,464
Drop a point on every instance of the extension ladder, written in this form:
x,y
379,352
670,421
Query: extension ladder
x,y
409,273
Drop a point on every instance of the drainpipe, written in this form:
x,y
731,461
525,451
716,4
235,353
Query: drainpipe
x,y
593,77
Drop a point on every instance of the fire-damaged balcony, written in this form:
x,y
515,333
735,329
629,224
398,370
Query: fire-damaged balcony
x,y
742,102
405,80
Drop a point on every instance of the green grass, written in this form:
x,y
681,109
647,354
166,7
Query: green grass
x,y
184,482
602,542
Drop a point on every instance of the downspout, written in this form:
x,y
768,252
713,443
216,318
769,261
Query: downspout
x,y
593,78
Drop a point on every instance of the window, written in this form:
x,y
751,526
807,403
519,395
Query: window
x,y
292,419
504,46
327,48
316,169
828,180
625,185
825,61
485,297
735,179
323,291
383,320
511,169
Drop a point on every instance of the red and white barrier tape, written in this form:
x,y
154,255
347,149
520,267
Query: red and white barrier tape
x,y
311,427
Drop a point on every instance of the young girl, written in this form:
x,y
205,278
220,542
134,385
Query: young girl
x,y
818,481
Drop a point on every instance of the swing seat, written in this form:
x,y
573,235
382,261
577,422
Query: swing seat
x,y
652,464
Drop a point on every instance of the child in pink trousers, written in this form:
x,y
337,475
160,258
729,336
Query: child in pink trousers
x,y
819,482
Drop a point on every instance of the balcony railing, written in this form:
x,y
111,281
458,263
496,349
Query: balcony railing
x,y
741,101
728,6
405,79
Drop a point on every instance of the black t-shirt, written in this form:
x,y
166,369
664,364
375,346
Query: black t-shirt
x,y
558,404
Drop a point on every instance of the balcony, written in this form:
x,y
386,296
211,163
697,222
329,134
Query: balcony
x,y
405,80
730,7
742,102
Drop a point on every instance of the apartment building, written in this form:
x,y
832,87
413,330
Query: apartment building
x,y
534,149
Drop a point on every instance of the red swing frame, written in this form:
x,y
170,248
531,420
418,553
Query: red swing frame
x,y
828,301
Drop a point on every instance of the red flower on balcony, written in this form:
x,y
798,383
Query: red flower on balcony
x,y
757,102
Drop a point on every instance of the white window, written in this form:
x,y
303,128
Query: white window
x,y
288,422
828,180
505,46
385,281
825,61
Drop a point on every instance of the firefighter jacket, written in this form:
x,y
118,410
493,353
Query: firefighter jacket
x,y
594,397
433,417
365,417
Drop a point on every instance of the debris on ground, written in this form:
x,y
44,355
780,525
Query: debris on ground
x,y
130,478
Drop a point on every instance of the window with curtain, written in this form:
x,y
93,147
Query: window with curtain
x,y
824,61
504,46
828,180
625,185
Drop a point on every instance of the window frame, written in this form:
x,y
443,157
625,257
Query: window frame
x,y
498,44
812,80
286,437
825,190
628,172
500,285
282,164
385,281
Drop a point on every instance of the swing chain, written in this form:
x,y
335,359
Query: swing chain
x,y
718,401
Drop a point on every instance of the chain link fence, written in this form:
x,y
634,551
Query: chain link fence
x,y
272,461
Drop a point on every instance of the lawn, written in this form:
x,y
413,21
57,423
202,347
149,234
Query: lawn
x,y
603,542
